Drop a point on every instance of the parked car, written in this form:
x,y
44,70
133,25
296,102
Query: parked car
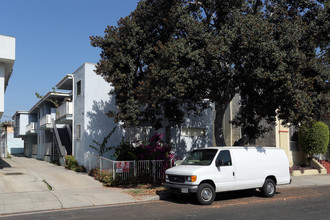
x,y
218,169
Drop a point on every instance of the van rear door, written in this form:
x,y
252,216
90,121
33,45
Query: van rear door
x,y
225,174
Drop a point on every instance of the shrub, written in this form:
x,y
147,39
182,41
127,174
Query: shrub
x,y
92,172
102,175
70,162
156,149
80,169
126,151
314,138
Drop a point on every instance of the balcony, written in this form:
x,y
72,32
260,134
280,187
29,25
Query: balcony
x,y
46,121
64,113
31,128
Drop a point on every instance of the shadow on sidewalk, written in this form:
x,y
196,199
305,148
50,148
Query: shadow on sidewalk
x,y
3,164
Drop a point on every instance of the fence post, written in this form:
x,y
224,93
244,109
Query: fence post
x,y
134,168
113,170
153,170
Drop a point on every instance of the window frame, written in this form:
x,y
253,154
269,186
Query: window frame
x,y
79,87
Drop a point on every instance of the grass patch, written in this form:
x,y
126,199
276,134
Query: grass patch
x,y
145,189
137,191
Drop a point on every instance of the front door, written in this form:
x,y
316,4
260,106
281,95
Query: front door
x,y
225,177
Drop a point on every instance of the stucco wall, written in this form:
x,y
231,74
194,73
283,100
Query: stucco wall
x,y
23,122
14,145
89,112
2,88
184,143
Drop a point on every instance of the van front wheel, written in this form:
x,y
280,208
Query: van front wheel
x,y
269,188
205,194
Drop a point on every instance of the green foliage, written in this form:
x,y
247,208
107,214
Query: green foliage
x,y
314,138
168,56
155,149
126,151
102,147
70,162
102,175
79,168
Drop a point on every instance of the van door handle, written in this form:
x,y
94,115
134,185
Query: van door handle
x,y
233,173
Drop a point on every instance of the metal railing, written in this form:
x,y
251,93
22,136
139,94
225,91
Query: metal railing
x,y
140,170
32,126
64,109
46,120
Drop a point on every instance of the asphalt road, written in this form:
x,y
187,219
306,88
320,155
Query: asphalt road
x,y
294,203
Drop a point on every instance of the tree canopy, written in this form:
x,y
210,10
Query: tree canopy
x,y
172,57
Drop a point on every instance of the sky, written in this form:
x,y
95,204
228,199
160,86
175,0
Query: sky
x,y
52,40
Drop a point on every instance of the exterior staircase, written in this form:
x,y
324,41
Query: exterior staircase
x,y
326,165
65,140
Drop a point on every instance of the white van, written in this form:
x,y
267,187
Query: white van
x,y
217,169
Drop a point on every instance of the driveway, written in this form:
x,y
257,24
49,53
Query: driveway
x,y
27,184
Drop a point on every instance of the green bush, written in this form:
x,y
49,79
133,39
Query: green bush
x,y
79,169
102,175
155,149
314,139
70,162
125,151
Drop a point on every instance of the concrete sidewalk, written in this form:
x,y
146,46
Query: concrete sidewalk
x,y
23,187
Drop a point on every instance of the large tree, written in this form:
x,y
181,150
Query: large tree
x,y
168,56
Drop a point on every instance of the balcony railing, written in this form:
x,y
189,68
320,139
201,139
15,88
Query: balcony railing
x,y
32,126
64,110
46,120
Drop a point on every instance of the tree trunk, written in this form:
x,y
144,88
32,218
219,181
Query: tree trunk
x,y
168,133
220,110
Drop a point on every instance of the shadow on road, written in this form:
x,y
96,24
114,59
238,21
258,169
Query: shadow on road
x,y
223,196
3,164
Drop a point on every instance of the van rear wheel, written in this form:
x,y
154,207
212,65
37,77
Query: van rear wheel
x,y
269,188
205,194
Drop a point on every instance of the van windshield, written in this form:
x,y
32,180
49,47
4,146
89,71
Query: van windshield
x,y
202,157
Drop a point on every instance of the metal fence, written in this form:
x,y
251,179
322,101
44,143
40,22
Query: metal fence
x,y
139,171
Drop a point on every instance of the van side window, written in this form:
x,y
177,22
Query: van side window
x,y
224,158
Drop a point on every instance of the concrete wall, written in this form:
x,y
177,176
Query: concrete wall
x,y
30,141
23,122
7,48
7,59
14,145
2,88
89,112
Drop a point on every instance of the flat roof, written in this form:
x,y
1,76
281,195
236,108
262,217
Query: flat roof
x,y
50,95
65,83
20,112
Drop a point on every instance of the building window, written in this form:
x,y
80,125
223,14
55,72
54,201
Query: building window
x,y
193,132
78,131
79,87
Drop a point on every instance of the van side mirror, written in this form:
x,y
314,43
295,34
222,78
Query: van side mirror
x,y
219,163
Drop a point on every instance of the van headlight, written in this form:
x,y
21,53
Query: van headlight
x,y
191,179
166,178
